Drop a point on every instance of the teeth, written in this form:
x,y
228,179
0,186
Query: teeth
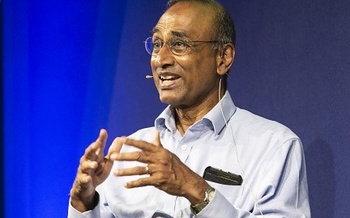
x,y
166,77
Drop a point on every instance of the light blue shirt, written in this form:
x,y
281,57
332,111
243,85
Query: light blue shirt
x,y
268,156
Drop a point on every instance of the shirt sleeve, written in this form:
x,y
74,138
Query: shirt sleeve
x,y
100,211
282,192
220,207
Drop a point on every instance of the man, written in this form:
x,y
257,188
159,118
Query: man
x,y
158,171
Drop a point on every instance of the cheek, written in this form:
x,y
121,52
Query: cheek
x,y
203,67
152,63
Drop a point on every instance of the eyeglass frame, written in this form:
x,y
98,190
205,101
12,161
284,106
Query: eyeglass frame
x,y
149,45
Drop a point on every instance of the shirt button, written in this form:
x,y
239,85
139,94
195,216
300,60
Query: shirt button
x,y
184,147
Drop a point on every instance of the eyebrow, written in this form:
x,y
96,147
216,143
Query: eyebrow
x,y
174,33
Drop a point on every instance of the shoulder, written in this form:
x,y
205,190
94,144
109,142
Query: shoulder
x,y
258,126
270,142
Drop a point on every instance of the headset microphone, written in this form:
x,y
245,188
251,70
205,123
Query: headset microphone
x,y
149,77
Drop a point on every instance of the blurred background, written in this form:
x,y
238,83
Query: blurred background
x,y
69,68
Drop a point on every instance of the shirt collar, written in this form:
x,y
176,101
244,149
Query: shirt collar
x,y
215,118
166,120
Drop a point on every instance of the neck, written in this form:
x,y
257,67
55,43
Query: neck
x,y
187,116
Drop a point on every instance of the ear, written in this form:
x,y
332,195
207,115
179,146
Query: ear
x,y
225,58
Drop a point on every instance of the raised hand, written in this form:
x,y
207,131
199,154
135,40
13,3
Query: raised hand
x,y
165,169
93,170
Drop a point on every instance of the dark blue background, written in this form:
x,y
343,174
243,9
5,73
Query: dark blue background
x,y
70,68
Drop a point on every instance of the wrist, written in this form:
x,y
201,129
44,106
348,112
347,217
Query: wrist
x,y
208,196
85,204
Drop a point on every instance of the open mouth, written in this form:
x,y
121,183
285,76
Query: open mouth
x,y
168,77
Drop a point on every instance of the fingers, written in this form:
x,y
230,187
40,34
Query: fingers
x,y
152,154
93,170
160,181
147,149
93,154
86,165
91,159
115,147
142,182
132,171
140,156
95,150
101,143
143,145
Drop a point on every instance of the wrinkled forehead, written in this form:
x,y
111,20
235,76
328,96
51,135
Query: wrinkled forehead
x,y
186,19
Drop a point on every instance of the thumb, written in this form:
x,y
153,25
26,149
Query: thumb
x,y
116,146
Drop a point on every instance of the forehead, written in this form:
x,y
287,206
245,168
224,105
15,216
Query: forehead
x,y
186,19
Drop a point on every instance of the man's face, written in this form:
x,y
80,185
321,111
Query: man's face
x,y
187,80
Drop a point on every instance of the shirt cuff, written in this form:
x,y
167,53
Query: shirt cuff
x,y
73,213
218,207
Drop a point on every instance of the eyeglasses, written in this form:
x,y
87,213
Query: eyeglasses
x,y
177,46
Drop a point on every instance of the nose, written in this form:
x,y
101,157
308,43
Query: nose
x,y
164,57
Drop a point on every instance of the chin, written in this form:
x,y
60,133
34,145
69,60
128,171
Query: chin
x,y
167,98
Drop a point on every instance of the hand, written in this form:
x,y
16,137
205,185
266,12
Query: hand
x,y
93,170
165,169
